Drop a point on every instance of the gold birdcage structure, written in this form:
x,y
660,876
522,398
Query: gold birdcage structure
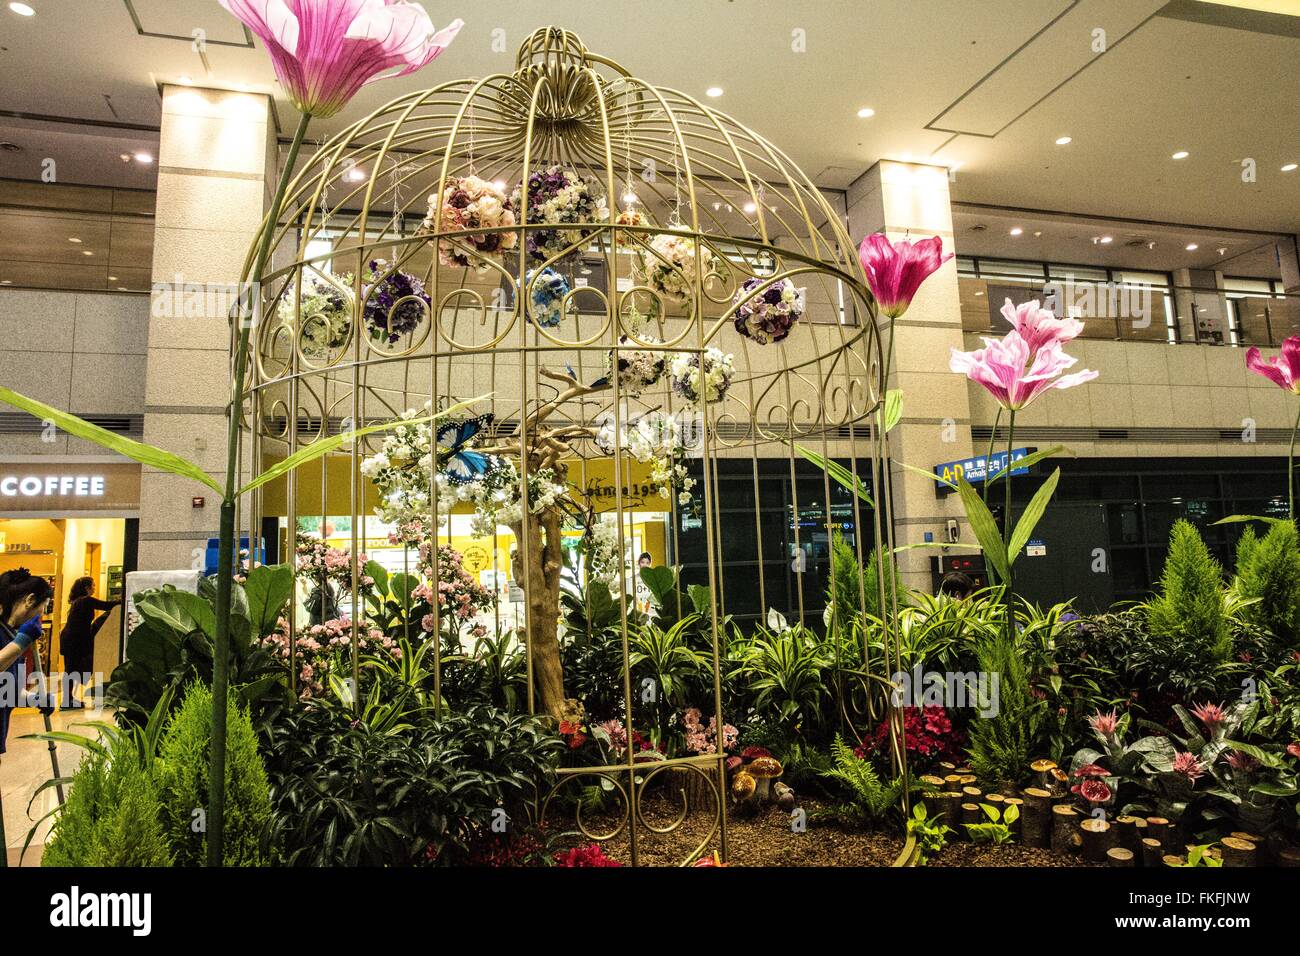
x,y
548,316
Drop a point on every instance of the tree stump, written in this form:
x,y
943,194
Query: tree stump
x,y
972,793
1119,856
1152,852
971,813
1158,828
1170,859
1097,837
1036,818
1288,856
1064,821
1127,833
932,782
947,804
947,767
1237,852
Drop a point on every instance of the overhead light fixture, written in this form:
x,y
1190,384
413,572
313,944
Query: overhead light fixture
x,y
1192,247
714,91
630,198
1016,230
86,252
717,206
866,113
1063,140
6,281
1181,154
750,207
1289,168
22,9
500,184
74,239
143,158
1038,233
123,288
977,294
112,278
1223,250
185,80
356,174
1107,240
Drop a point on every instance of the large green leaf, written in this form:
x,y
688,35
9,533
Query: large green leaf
x,y
1029,460
660,581
180,611
268,590
893,408
838,472
1029,520
1236,519
927,474
985,528
135,450
323,446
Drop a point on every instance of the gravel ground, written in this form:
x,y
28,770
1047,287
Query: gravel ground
x,y
766,839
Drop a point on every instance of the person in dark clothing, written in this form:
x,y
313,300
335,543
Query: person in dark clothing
x,y
78,637
23,596
957,585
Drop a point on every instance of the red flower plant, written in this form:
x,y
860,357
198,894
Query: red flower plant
x,y
1093,790
1293,748
927,732
590,855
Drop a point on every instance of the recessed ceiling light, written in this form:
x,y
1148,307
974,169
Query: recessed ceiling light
x,y
123,288
979,294
1038,233
356,174
86,252
1181,154
74,239
6,281
1289,167
185,80
112,278
1192,247
500,184
143,158
1063,141
750,207
22,9
866,112
1016,230
1106,240
714,91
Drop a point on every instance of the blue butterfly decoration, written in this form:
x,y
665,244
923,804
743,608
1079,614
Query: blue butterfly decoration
x,y
460,465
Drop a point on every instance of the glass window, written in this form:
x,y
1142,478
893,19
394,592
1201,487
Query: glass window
x,y
1011,269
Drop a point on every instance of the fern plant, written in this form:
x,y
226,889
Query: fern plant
x,y
1003,743
183,781
869,797
1268,575
1190,608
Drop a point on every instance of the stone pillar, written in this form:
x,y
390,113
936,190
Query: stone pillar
x,y
911,201
215,163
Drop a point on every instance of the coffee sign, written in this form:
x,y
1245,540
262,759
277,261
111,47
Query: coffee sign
x,y
56,487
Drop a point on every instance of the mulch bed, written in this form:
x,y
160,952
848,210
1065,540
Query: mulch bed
x,y
766,839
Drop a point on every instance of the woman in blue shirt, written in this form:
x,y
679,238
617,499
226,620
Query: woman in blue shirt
x,y
23,596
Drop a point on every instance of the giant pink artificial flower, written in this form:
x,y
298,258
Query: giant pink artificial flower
x,y
1038,326
324,51
896,270
1282,370
1013,373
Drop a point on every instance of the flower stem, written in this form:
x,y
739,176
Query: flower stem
x,y
1290,471
1008,595
226,555
988,456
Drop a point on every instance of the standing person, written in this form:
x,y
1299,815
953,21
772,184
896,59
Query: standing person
x,y
23,595
78,637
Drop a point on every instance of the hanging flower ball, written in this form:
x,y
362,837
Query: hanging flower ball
x,y
634,218
325,311
673,263
684,372
468,203
638,369
546,292
768,316
395,303
558,196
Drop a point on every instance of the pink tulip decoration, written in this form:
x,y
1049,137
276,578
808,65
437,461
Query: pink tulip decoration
x,y
1040,327
896,270
1282,370
324,51
1014,374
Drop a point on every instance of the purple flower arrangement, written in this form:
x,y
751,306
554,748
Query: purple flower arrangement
x,y
401,289
768,316
557,195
